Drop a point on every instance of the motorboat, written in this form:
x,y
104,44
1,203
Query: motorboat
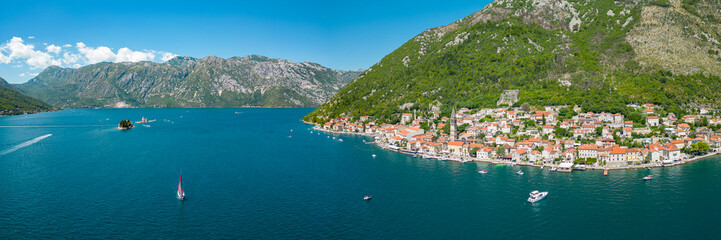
x,y
520,172
340,140
605,172
367,197
374,156
649,177
536,196
484,171
553,169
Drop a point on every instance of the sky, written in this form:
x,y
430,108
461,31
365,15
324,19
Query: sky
x,y
345,35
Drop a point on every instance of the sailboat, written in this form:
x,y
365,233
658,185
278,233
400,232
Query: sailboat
x,y
181,193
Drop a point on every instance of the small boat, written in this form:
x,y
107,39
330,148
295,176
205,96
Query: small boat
x,y
649,168
536,196
374,156
291,130
367,197
520,172
553,169
484,171
649,177
340,140
333,138
181,193
605,172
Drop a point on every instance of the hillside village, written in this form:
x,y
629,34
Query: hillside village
x,y
546,137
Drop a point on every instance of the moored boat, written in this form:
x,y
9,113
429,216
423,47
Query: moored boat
x,y
649,177
605,172
553,169
536,196
484,171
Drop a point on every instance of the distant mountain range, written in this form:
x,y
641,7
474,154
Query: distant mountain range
x,y
12,102
598,54
189,82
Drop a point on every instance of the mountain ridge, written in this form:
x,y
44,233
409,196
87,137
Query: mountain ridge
x,y
13,102
600,55
211,81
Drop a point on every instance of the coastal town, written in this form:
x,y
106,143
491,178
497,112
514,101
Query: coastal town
x,y
560,137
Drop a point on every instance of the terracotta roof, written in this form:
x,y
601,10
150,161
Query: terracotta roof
x,y
618,151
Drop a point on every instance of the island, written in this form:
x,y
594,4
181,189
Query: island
x,y
125,125
551,136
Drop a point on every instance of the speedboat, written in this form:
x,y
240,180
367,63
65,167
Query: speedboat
x,y
374,156
484,171
340,140
649,177
553,169
537,196
520,172
367,197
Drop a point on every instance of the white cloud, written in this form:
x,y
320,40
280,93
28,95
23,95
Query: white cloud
x,y
54,49
165,56
69,58
96,55
18,52
17,66
28,74
127,55
31,37
3,58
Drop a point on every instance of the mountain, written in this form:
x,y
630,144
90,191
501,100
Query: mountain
x,y
189,82
598,54
13,102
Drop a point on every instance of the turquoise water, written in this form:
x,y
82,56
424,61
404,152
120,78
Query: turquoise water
x,y
246,175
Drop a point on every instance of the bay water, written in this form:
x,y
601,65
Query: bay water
x,y
263,174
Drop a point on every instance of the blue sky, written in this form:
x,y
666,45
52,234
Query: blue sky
x,y
337,34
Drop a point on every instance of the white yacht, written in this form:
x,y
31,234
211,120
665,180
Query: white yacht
x,y
536,196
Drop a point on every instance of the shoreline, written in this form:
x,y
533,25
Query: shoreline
x,y
496,161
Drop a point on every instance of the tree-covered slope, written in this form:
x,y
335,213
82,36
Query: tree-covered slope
x,y
189,82
13,102
599,54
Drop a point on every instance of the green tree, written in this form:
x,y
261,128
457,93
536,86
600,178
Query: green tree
x,y
501,151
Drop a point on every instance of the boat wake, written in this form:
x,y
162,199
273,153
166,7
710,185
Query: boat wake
x,y
25,144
